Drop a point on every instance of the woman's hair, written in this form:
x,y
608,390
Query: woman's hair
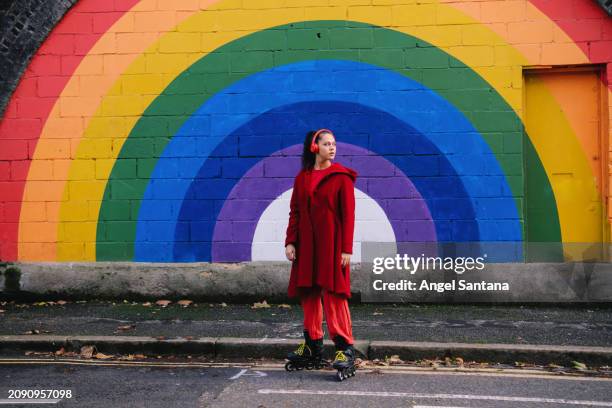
x,y
308,157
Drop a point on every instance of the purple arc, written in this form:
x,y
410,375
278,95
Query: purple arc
x,y
272,176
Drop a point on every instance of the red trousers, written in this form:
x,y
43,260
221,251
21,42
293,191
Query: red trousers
x,y
337,315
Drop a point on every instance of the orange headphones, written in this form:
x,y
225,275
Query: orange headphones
x,y
314,148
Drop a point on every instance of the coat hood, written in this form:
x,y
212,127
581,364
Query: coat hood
x,y
337,168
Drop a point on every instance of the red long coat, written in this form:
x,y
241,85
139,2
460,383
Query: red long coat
x,y
321,228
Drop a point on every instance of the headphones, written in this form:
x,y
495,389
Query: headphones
x,y
314,148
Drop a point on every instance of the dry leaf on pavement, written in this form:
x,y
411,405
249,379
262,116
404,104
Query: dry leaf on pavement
x,y
102,356
88,351
163,302
260,305
394,359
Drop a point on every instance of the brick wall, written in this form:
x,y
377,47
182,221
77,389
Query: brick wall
x,y
155,130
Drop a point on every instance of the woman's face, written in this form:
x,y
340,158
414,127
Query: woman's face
x,y
327,146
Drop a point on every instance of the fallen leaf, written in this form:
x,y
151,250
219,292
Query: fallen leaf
x,y
185,302
128,357
377,314
161,337
163,303
394,359
260,305
61,302
578,365
139,356
60,352
147,304
102,356
126,327
284,306
223,304
459,361
88,351
36,353
361,363
33,331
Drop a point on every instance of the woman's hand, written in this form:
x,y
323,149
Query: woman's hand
x,y
290,252
346,259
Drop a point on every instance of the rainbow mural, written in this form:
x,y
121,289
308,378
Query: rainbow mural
x,y
170,131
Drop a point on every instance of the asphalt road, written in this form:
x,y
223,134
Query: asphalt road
x,y
269,385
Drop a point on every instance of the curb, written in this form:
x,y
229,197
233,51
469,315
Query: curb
x,y
234,347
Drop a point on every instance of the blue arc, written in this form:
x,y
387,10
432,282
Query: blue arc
x,y
448,132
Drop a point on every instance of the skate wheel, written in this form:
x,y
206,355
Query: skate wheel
x,y
310,365
299,368
340,376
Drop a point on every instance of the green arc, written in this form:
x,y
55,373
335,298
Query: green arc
x,y
317,40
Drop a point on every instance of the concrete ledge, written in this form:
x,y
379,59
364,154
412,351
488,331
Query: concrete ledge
x,y
232,347
246,282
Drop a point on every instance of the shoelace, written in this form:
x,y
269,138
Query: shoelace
x,y
300,349
340,356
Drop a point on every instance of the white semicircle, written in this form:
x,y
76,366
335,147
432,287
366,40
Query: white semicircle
x,y
371,224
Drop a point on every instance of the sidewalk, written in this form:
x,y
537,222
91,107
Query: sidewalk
x,y
502,334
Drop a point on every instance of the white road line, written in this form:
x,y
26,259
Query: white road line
x,y
441,396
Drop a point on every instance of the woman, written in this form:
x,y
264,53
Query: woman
x,y
319,243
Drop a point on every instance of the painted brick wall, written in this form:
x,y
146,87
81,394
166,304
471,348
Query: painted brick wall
x,y
154,130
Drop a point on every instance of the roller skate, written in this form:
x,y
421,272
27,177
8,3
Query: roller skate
x,y
344,360
308,355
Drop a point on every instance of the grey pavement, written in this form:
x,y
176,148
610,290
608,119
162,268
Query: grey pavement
x,y
538,334
577,326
